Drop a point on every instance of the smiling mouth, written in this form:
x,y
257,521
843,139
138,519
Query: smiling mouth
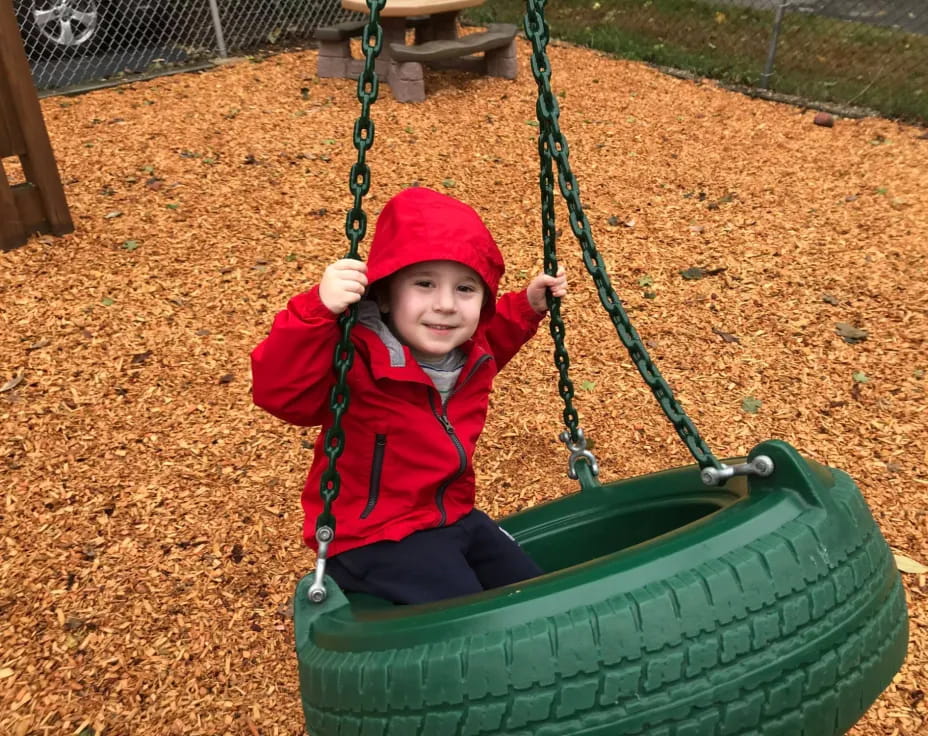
x,y
439,327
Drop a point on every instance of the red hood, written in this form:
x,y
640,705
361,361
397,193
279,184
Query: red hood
x,y
420,224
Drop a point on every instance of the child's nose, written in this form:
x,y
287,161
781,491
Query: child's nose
x,y
444,300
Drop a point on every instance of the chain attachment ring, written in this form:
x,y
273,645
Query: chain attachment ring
x,y
578,451
317,591
760,465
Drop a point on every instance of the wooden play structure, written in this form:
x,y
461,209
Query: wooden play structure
x,y
36,204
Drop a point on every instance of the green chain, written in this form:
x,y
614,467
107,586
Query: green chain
x,y
355,229
556,324
552,144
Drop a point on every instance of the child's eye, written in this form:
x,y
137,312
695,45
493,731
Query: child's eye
x,y
466,288
423,282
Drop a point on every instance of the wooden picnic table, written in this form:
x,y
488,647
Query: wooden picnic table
x,y
437,20
407,8
435,43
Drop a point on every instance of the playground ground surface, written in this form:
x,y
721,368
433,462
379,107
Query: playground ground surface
x,y
150,516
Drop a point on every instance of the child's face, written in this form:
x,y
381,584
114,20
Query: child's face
x,y
434,306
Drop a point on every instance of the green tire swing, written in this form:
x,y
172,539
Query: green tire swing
x,y
755,597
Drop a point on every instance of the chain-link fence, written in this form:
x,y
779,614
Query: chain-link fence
x,y
72,42
866,53
863,53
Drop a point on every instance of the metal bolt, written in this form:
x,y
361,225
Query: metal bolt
x,y
709,476
763,465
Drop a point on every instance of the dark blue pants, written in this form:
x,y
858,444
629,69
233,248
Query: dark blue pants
x,y
469,556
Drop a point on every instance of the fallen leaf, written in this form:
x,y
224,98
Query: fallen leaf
x,y
907,564
861,377
226,378
73,623
139,358
750,405
850,334
829,299
730,197
694,274
727,337
13,382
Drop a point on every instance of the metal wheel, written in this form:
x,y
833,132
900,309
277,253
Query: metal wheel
x,y
68,24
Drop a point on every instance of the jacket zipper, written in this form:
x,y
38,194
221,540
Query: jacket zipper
x,y
380,446
442,416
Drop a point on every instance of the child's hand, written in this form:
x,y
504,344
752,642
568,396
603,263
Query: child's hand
x,y
343,283
536,289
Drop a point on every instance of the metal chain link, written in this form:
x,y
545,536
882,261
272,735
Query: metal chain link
x,y
355,228
553,145
556,324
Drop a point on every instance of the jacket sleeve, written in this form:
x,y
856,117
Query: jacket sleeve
x,y
291,369
511,327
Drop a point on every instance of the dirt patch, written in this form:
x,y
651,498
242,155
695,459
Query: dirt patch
x,y
150,514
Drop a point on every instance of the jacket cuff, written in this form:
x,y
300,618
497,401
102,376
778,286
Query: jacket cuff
x,y
526,311
308,307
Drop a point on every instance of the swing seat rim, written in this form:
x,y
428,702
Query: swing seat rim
x,y
364,623
787,595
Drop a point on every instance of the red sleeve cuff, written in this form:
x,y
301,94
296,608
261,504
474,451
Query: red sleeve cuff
x,y
526,311
308,307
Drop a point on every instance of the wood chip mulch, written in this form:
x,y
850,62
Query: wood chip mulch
x,y
150,516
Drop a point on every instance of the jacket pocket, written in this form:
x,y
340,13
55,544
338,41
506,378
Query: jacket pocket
x,y
373,489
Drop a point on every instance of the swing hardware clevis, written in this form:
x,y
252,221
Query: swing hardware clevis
x,y
317,592
760,465
577,451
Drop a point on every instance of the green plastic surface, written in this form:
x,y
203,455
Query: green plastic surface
x,y
771,606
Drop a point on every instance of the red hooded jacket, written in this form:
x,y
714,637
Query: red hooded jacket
x,y
407,463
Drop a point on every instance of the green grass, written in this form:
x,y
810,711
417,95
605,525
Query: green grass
x,y
820,59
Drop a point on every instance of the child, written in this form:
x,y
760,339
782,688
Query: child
x,y
431,336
